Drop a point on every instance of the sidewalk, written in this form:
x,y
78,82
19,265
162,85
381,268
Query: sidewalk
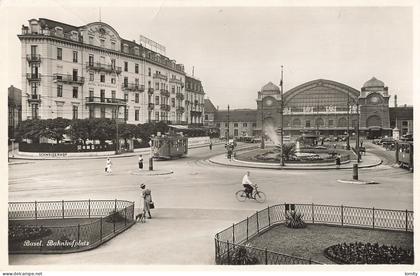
x,y
368,160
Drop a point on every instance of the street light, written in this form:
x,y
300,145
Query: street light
x,y
281,119
262,122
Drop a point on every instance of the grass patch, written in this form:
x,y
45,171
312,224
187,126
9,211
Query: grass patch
x,y
311,241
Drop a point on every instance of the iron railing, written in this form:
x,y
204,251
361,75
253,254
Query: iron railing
x,y
57,220
229,241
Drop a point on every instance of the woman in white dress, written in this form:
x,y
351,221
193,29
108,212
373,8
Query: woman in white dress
x,y
108,166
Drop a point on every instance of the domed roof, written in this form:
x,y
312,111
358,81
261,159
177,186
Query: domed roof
x,y
374,82
270,87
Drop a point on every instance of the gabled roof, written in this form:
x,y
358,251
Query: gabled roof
x,y
209,107
52,24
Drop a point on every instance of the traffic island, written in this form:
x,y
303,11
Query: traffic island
x,y
54,227
151,173
354,181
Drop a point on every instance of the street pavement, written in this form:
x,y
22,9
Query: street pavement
x,y
194,202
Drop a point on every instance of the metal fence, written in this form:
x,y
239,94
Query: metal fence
x,y
232,241
66,226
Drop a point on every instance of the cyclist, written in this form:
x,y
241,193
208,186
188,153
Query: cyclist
x,y
246,182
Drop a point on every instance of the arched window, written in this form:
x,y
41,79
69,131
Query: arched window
x,y
319,122
296,122
342,122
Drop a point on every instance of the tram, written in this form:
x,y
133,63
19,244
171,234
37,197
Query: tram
x,y
169,146
404,154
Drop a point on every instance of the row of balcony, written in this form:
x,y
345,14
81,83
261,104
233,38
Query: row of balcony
x,y
33,76
165,93
97,66
160,76
165,107
133,87
67,78
107,101
180,96
34,98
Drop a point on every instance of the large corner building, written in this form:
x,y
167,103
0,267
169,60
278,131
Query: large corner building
x,y
91,72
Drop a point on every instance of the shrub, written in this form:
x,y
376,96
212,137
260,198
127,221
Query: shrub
x,y
19,232
367,253
295,220
242,256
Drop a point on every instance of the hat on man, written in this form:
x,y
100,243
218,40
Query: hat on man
x,y
142,186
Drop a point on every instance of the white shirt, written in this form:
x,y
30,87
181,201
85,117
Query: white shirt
x,y
246,180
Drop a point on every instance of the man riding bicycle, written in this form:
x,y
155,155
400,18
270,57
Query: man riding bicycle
x,y
246,182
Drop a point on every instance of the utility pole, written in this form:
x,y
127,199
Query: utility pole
x,y
228,133
281,119
357,133
348,121
262,122
116,123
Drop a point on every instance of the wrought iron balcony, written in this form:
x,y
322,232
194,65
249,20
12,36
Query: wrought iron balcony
x,y
187,102
33,58
133,87
97,66
176,81
106,101
151,106
180,109
150,90
165,93
34,98
180,96
160,76
67,78
165,107
33,77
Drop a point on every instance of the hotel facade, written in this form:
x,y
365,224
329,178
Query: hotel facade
x,y
91,72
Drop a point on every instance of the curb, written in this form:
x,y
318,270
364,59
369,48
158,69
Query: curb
x,y
151,173
295,168
357,181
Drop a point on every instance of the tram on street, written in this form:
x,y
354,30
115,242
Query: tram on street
x,y
169,146
404,154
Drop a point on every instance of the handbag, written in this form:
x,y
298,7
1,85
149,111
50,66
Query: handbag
x,y
151,205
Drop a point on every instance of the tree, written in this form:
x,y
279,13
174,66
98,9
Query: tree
x,y
30,129
55,129
289,150
127,131
81,129
102,129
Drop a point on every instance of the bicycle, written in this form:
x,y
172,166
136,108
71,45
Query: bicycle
x,y
257,195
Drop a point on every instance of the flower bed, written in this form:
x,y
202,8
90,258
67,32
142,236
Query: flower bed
x,y
19,232
368,253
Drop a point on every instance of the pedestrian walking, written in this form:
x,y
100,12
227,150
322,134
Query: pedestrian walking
x,y
147,199
140,162
108,167
338,161
211,146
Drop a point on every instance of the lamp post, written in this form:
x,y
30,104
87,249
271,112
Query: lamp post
x,y
262,122
357,133
281,119
348,121
228,133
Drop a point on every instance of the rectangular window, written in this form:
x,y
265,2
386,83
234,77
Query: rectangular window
x,y
125,113
113,64
136,68
226,124
59,90
33,50
308,123
156,86
113,94
91,93
404,123
91,60
136,115
75,75
125,81
59,53
254,124
102,112
149,84
157,100
136,81
235,124
34,111
75,56
157,116
125,66
126,97
75,112
150,72
34,88
244,124
173,102
235,132
75,92
102,77
113,80
136,99
91,112
59,110
206,117
102,95
91,76
330,122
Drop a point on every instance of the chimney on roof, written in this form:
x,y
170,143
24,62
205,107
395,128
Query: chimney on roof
x,y
395,101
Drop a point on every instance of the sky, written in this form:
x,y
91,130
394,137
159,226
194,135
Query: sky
x,y
237,50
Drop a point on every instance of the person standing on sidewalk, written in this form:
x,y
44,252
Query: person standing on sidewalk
x,y
147,199
211,145
338,161
140,162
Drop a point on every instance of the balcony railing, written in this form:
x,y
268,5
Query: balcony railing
x,y
33,58
160,76
33,77
176,81
103,67
180,109
180,96
150,90
187,102
165,93
133,87
34,98
68,78
107,101
151,106
165,107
